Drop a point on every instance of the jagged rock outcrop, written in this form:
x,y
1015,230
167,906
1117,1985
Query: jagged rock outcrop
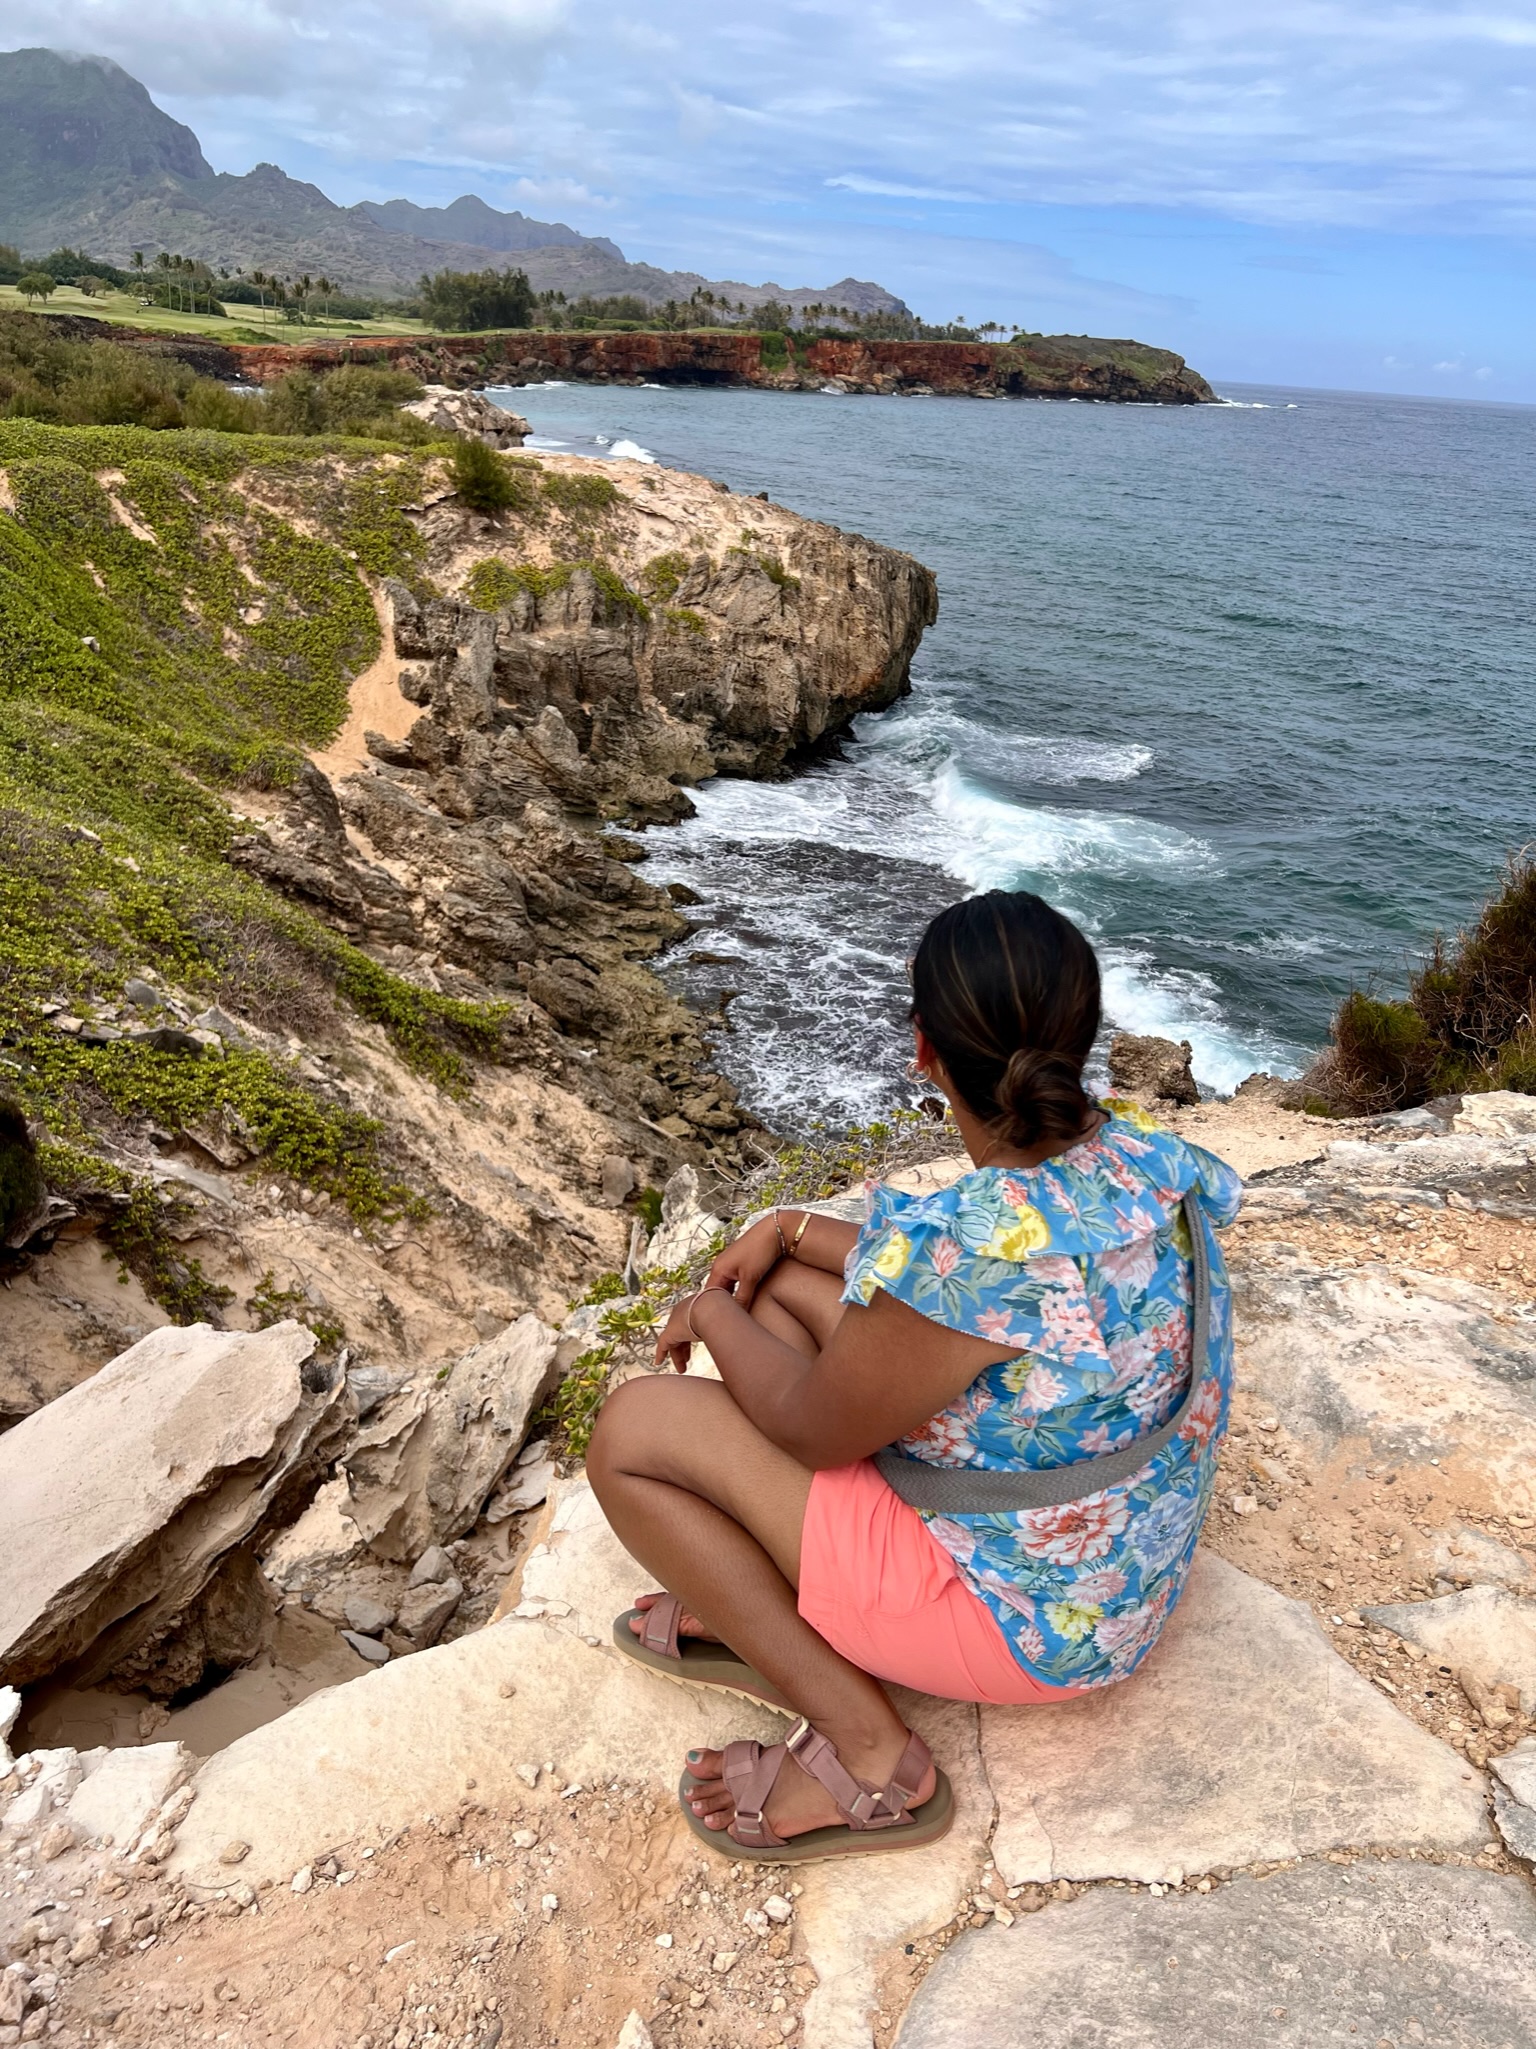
x,y
121,1501
469,413
558,696
1152,1070
426,1465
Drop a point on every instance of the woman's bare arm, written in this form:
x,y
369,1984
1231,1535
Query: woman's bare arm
x,y
886,1371
747,1260
825,1242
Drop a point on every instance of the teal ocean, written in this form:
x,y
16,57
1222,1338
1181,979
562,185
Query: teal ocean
x,y
1249,690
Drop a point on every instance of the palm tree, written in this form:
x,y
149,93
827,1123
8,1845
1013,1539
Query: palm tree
x,y
325,289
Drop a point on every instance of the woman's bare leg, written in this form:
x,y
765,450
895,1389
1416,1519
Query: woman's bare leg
x,y
800,1306
704,1501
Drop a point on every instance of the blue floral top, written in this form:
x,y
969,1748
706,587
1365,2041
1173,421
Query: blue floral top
x,y
1083,1265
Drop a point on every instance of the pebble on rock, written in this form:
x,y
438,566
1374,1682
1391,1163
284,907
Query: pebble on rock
x,y
303,1880
234,1852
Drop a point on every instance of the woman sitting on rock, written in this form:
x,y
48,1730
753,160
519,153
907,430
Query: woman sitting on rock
x,y
1023,1344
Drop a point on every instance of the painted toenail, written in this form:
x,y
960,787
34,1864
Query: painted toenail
x,y
694,1756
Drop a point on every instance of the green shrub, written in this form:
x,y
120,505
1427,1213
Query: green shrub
x,y
1469,1021
1385,1055
481,478
494,583
770,565
663,573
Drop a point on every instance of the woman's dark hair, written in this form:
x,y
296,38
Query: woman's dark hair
x,y
1007,990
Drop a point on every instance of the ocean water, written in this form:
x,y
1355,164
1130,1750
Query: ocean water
x,y
1248,690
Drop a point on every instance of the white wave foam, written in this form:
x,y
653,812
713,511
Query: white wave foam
x,y
1176,1004
998,845
1248,405
931,727
630,451
818,1019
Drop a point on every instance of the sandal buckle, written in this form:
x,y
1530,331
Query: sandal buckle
x,y
798,1735
864,1808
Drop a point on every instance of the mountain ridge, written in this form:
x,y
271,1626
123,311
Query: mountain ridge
x,y
88,161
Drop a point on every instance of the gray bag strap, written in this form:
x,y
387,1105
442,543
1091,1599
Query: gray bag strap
x,y
972,1490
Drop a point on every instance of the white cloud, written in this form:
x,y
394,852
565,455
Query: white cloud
x,y
852,181
1377,113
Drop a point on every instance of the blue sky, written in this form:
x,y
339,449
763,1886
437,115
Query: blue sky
x,y
1335,195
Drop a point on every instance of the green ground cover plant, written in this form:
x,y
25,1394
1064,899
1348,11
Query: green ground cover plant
x,y
180,615
494,583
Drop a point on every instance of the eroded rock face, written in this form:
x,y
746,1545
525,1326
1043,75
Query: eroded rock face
x,y
426,1465
120,1500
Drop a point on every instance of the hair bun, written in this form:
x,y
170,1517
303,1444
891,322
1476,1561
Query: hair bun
x,y
1040,1096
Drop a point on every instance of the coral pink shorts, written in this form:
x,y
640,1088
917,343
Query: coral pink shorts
x,y
885,1593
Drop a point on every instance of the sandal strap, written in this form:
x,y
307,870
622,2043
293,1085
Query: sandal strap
x,y
750,1773
860,1806
658,1632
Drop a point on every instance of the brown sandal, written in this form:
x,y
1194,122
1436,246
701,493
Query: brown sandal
x,y
874,1819
692,1660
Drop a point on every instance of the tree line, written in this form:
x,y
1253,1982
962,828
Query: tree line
x,y
475,301
460,301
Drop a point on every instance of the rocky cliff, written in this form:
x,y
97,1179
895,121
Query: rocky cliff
x,y
321,967
1040,366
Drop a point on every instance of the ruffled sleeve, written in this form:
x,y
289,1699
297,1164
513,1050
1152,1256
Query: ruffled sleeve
x,y
944,1254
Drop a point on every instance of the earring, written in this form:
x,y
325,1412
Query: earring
x,y
914,1072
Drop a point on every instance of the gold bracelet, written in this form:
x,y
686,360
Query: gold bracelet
x,y
805,1218
779,1229
717,1289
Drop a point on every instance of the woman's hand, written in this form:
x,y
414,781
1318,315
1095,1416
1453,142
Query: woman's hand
x,y
677,1340
744,1265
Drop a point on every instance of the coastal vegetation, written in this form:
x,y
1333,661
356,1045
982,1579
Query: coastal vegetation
x,y
48,374
1468,1021
167,642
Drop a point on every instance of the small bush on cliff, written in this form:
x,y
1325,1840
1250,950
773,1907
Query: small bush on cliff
x,y
484,482
663,573
1468,1022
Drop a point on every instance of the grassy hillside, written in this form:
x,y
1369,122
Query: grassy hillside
x,y
180,615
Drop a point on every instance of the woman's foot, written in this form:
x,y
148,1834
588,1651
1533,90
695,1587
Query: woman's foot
x,y
687,1625
797,1802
